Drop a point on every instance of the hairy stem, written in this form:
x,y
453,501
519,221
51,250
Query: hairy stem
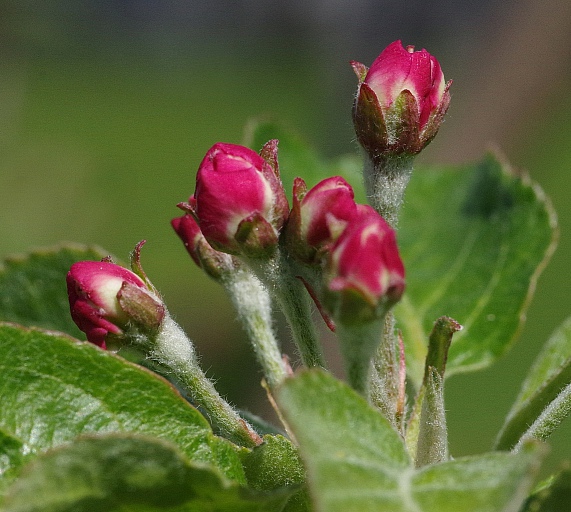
x,y
385,379
290,293
549,419
252,302
173,352
385,183
358,344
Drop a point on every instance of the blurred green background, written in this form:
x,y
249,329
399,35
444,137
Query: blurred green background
x,y
107,107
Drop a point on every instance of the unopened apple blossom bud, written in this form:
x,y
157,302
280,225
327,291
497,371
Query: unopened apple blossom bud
x,y
109,302
241,205
364,275
400,103
215,263
318,217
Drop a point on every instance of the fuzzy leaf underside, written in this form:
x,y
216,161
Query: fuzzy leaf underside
x,y
356,462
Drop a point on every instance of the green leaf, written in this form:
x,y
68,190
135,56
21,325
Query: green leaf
x,y
550,418
491,482
473,241
550,373
33,289
11,458
275,464
128,473
55,388
427,422
432,445
356,462
352,454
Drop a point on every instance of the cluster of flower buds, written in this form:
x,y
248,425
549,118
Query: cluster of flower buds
x,y
356,250
111,304
400,103
240,208
238,227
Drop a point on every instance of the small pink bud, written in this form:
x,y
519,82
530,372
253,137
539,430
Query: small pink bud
x,y
364,272
401,101
240,201
318,217
106,299
213,262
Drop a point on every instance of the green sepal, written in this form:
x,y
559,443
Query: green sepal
x,y
370,123
256,236
276,465
140,307
402,119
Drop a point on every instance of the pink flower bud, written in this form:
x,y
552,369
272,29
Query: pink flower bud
x,y
213,262
318,217
240,201
105,299
401,101
364,272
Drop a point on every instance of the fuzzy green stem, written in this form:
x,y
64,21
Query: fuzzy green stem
x,y
173,352
413,425
294,302
358,344
385,378
252,302
549,419
290,293
386,179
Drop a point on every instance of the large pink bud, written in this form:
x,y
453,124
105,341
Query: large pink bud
x,y
318,217
364,273
106,299
240,201
401,101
